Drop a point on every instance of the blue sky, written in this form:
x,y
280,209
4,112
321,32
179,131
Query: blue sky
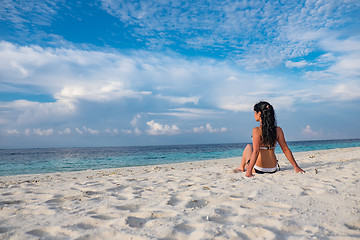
x,y
110,72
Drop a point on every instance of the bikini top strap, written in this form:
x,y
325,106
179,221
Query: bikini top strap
x,y
266,148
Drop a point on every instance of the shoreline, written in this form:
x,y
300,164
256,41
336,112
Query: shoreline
x,y
21,162
289,142
191,200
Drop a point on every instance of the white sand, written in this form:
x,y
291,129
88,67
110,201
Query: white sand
x,y
199,200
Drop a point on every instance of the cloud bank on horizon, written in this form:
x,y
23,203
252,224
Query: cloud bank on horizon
x,y
116,72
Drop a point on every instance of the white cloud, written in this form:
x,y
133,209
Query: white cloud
x,y
208,128
98,92
347,65
337,66
113,131
86,130
27,132
74,76
11,132
349,45
308,132
20,68
346,92
43,132
319,75
243,91
69,76
278,30
135,120
25,12
299,64
180,100
285,101
66,131
89,130
137,131
79,131
68,73
35,112
127,131
160,129
191,113
340,72
92,131
236,104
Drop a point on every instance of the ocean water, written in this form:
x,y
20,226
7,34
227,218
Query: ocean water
x,y
46,160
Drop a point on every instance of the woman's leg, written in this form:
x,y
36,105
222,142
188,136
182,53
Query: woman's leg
x,y
245,158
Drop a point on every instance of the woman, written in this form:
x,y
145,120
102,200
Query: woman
x,y
260,156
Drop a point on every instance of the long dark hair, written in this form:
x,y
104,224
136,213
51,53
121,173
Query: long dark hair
x,y
268,122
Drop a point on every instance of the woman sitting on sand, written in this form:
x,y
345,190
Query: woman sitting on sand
x,y
260,156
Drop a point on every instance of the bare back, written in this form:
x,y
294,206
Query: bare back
x,y
267,157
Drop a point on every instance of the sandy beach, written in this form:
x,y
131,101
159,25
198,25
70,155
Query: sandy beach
x,y
195,200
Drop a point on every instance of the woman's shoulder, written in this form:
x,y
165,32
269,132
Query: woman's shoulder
x,y
279,132
256,130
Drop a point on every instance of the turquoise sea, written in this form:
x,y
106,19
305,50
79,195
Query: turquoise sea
x,y
46,160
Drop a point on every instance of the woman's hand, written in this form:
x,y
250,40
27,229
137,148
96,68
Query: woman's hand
x,y
298,170
249,173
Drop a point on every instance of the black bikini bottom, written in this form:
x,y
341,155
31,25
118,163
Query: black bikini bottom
x,y
261,172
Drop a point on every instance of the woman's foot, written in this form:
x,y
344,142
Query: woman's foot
x,y
239,169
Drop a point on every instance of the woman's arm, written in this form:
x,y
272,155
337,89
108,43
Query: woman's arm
x,y
256,150
286,150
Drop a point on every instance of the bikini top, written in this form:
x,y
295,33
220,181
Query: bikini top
x,y
266,148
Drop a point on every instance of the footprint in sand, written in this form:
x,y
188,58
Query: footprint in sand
x,y
136,222
102,217
92,193
162,214
278,205
116,189
197,204
10,202
216,219
93,184
50,233
129,207
248,205
313,190
84,226
55,201
353,226
118,196
8,194
38,233
235,197
173,201
223,212
220,216
184,228
258,233
6,229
